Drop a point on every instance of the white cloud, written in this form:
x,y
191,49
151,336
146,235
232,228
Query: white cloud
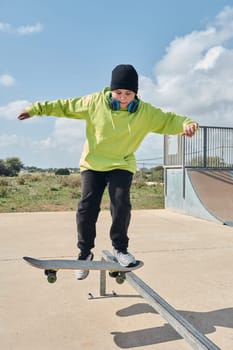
x,y
8,140
21,30
63,147
7,80
68,136
12,109
194,76
24,30
210,58
5,27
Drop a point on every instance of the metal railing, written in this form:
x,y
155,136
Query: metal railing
x,y
210,147
187,331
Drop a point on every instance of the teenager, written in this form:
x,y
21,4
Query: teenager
x,y
117,121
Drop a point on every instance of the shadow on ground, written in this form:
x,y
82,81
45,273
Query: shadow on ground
x,y
205,322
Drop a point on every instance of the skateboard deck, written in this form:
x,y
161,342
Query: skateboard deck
x,y
53,265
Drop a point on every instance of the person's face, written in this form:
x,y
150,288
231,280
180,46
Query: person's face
x,y
123,96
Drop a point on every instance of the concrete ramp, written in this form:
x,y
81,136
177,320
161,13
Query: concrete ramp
x,y
215,190
207,194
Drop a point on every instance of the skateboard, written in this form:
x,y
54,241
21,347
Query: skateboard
x,y
51,267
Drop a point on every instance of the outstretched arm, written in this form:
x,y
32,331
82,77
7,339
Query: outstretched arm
x,y
76,108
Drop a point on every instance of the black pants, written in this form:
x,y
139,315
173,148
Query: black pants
x,y
93,186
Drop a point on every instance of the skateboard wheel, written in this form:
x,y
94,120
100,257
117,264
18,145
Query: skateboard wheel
x,y
51,276
120,279
113,274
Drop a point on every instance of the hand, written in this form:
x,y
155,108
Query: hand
x,y
23,115
190,129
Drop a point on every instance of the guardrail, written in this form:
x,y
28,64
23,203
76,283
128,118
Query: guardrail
x,y
197,340
210,147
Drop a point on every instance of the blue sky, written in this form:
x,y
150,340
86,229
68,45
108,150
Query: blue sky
x,y
182,50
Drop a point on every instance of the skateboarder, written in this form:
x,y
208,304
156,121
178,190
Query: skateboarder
x,y
117,121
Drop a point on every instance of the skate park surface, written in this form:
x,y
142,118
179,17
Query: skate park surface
x,y
187,260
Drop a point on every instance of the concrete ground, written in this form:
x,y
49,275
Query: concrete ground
x,y
187,261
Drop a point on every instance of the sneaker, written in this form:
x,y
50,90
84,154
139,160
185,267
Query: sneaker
x,y
82,274
124,258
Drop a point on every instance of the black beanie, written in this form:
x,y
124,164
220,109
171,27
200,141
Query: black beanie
x,y
124,76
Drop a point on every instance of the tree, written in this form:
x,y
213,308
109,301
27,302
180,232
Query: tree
x,y
3,169
10,166
62,171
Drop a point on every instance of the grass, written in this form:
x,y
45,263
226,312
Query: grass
x,y
49,192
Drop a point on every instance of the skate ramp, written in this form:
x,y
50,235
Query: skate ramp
x,y
214,188
206,194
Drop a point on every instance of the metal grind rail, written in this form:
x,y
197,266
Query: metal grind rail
x,y
196,339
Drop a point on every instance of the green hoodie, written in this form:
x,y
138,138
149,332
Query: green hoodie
x,y
112,137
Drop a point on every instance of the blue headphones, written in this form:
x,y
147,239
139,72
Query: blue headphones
x,y
115,104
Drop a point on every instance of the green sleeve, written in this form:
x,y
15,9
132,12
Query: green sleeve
x,y
76,108
166,122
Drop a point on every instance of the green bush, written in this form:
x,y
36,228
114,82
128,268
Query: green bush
x,y
62,171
